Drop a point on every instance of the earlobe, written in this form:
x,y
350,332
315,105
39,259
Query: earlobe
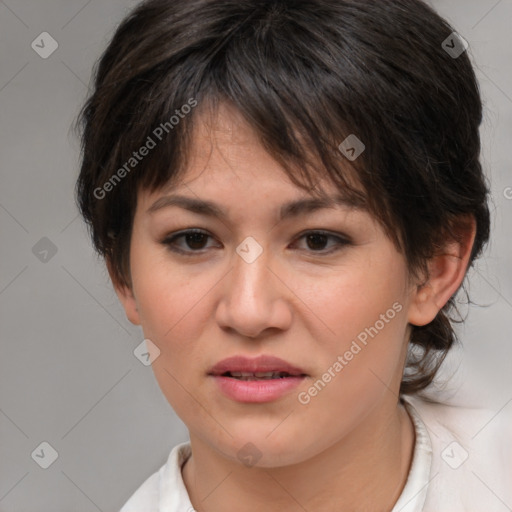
x,y
446,271
126,296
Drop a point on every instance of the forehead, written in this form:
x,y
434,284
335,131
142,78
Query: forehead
x,y
222,140
225,148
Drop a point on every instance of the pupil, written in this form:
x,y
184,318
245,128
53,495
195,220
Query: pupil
x,y
195,238
318,238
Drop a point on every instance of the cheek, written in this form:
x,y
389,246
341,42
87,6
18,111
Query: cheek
x,y
169,300
173,317
352,299
358,364
364,309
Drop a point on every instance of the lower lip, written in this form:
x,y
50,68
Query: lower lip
x,y
256,390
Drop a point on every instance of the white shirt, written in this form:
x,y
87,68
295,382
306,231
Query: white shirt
x,y
462,462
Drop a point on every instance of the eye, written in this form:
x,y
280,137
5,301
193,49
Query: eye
x,y
194,240
318,240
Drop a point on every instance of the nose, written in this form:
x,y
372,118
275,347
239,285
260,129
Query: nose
x,y
254,298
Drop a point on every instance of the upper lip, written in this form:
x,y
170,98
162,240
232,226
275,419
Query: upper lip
x,y
262,363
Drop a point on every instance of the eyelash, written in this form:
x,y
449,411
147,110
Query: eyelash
x,y
170,240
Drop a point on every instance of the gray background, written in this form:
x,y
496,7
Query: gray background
x,y
68,375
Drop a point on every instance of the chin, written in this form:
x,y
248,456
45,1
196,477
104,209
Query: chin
x,y
256,448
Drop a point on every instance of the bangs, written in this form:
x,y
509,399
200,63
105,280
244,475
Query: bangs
x,y
277,72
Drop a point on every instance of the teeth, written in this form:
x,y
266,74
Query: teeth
x,y
257,375
267,374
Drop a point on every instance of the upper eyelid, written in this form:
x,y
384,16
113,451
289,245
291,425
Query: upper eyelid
x,y
320,231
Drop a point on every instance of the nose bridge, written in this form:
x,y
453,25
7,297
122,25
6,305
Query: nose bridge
x,y
250,273
252,300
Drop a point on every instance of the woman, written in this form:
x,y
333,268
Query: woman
x,y
287,196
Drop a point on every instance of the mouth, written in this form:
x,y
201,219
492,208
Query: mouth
x,y
256,380
261,375
264,367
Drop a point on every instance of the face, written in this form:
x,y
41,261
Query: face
x,y
324,290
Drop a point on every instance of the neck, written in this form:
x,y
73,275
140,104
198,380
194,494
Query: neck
x,y
366,470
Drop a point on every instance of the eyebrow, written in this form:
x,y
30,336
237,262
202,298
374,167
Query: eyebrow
x,y
288,210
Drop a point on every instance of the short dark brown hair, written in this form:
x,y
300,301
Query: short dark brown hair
x,y
305,75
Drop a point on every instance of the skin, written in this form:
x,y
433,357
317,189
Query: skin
x,y
351,446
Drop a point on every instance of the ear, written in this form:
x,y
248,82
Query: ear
x,y
447,270
125,295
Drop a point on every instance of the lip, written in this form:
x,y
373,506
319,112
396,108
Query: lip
x,y
256,391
